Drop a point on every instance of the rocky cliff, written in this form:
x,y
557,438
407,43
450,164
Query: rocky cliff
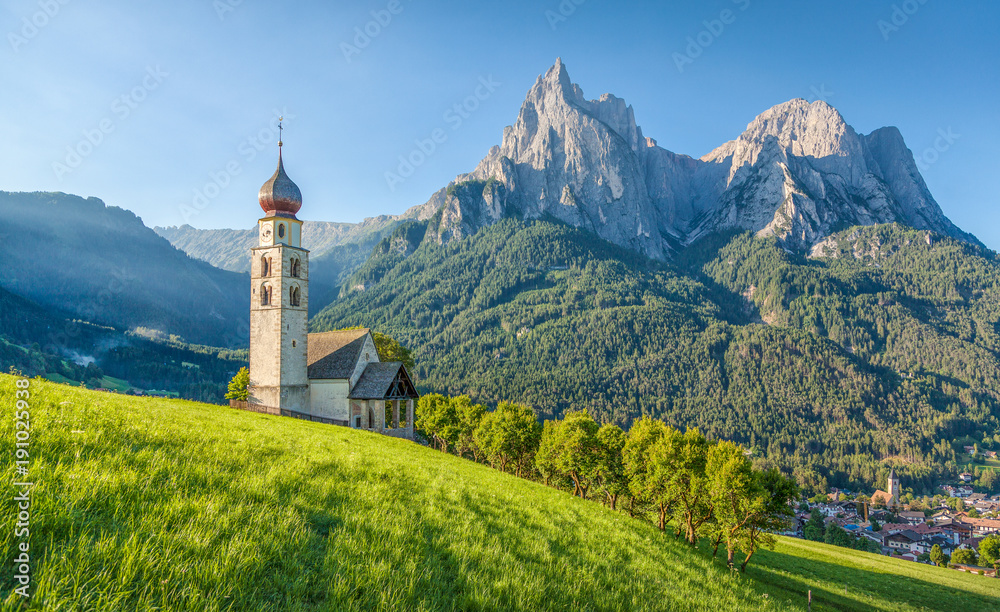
x,y
799,172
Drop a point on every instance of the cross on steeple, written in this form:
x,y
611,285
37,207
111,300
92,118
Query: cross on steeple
x,y
280,119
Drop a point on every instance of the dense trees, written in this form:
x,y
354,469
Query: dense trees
x,y
824,367
702,487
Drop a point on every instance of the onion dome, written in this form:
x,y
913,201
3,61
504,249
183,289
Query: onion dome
x,y
279,196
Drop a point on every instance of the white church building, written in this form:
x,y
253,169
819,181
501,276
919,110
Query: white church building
x,y
333,377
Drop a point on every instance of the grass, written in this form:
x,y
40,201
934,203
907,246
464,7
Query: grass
x,y
153,504
844,579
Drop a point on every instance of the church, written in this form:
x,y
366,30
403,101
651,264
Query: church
x,y
892,497
333,377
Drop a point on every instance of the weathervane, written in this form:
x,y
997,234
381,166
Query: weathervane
x,y
280,119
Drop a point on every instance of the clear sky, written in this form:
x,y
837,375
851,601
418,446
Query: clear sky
x,y
180,97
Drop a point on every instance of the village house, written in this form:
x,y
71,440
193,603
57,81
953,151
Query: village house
x,y
980,526
912,518
905,541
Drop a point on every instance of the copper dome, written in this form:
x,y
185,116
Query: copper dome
x,y
279,196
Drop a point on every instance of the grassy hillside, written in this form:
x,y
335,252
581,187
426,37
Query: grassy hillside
x,y
171,505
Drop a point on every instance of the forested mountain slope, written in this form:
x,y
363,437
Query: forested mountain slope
x,y
833,367
101,264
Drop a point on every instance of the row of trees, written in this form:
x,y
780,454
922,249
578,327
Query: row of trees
x,y
702,488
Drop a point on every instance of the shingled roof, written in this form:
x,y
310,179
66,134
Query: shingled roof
x,y
335,354
384,380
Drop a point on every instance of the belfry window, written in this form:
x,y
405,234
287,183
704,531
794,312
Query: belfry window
x,y
293,296
265,265
295,268
265,295
281,230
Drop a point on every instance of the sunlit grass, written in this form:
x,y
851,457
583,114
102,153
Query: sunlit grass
x,y
845,579
150,504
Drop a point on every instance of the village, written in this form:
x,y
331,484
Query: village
x,y
957,528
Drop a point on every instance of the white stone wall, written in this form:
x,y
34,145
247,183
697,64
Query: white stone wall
x,y
328,399
368,355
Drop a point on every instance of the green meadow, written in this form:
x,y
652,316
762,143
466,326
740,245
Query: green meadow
x,y
153,504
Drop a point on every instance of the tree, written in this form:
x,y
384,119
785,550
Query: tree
x,y
875,526
816,527
437,419
965,556
610,467
545,457
779,492
239,386
389,349
509,436
735,495
937,557
989,551
575,449
469,417
838,536
680,460
646,483
973,513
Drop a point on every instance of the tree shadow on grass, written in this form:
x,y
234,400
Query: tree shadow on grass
x,y
794,576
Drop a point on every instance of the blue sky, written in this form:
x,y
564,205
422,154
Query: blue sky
x,y
180,97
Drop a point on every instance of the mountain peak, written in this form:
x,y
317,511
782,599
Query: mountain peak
x,y
798,171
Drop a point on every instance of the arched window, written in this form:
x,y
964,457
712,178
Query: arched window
x,y
281,230
265,265
293,296
265,295
295,267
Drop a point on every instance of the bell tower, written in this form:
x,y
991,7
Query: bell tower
x,y
279,273
893,486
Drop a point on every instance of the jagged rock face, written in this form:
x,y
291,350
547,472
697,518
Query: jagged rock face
x,y
799,172
577,161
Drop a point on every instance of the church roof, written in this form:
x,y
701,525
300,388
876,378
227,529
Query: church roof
x,y
334,354
384,380
886,497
